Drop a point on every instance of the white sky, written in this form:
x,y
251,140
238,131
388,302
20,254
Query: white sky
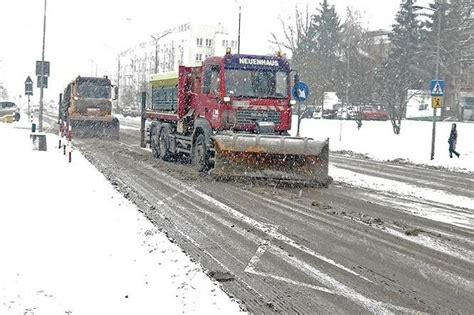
x,y
83,35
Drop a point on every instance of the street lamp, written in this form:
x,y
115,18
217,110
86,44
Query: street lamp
x,y
438,42
240,18
156,39
40,114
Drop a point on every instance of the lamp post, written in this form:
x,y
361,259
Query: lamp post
x,y
238,37
92,62
438,43
40,114
240,19
156,39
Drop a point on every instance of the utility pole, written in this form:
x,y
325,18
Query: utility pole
x,y
92,67
347,83
156,39
40,118
238,38
438,42
118,82
156,55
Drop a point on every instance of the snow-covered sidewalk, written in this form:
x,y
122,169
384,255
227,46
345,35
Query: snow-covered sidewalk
x,y
377,140
70,243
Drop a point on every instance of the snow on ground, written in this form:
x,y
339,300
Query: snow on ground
x,y
70,242
391,186
123,127
128,118
377,140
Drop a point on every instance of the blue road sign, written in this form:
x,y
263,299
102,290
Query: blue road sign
x,y
300,91
437,87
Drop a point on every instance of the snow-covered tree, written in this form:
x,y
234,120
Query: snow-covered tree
x,y
456,45
326,27
313,40
355,85
404,68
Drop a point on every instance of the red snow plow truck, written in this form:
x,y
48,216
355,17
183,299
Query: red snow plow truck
x,y
231,116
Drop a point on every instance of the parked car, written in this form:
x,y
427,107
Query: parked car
x,y
329,114
9,108
307,111
374,113
317,112
132,112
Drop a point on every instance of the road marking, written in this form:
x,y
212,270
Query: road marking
x,y
273,232
173,196
127,145
256,259
269,229
336,287
341,289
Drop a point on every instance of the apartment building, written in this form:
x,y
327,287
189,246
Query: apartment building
x,y
187,44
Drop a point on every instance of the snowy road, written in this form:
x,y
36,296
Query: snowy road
x,y
450,182
345,249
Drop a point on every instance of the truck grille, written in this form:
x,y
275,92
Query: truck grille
x,y
248,116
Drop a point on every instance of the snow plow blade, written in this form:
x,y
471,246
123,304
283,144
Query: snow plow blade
x,y
288,159
95,128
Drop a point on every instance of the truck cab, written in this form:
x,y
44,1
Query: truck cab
x,y
232,115
86,107
245,93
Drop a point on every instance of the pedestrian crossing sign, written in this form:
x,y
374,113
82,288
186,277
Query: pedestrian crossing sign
x,y
437,101
437,87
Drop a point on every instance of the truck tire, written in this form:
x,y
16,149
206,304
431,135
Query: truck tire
x,y
200,155
155,141
164,143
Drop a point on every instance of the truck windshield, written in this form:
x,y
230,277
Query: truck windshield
x,y
256,84
93,89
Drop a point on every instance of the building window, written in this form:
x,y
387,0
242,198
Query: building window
x,y
199,41
198,57
225,43
233,43
422,106
208,42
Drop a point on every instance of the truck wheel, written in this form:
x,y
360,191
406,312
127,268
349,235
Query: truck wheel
x,y
200,158
155,142
164,145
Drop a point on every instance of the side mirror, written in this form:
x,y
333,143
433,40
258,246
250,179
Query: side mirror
x,y
116,93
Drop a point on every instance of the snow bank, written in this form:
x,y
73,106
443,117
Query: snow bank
x,y
70,242
377,140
